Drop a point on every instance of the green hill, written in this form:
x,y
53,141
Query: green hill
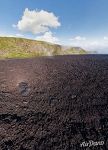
x,y
11,47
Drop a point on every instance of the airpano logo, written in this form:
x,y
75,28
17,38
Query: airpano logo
x,y
92,143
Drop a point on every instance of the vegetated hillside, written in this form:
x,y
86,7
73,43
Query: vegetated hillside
x,y
11,47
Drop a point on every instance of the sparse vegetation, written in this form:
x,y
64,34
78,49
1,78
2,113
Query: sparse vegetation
x,y
11,47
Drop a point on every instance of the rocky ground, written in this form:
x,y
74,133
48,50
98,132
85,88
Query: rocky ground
x,y
54,103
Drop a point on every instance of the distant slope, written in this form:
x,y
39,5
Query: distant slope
x,y
11,47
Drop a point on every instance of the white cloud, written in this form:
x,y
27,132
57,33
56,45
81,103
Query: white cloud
x,y
11,35
48,37
105,38
78,38
35,21
19,35
14,26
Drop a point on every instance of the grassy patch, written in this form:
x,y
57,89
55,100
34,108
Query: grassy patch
x,y
11,47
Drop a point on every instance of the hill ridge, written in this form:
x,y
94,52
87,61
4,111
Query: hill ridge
x,y
13,47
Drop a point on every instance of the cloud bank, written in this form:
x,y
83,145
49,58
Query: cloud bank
x,y
100,45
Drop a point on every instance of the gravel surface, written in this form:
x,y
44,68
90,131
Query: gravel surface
x,y
54,103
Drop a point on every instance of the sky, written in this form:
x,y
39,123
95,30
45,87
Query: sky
x,y
79,23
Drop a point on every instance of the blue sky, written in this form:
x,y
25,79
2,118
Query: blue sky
x,y
81,23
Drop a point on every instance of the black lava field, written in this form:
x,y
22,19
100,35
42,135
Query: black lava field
x,y
54,103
